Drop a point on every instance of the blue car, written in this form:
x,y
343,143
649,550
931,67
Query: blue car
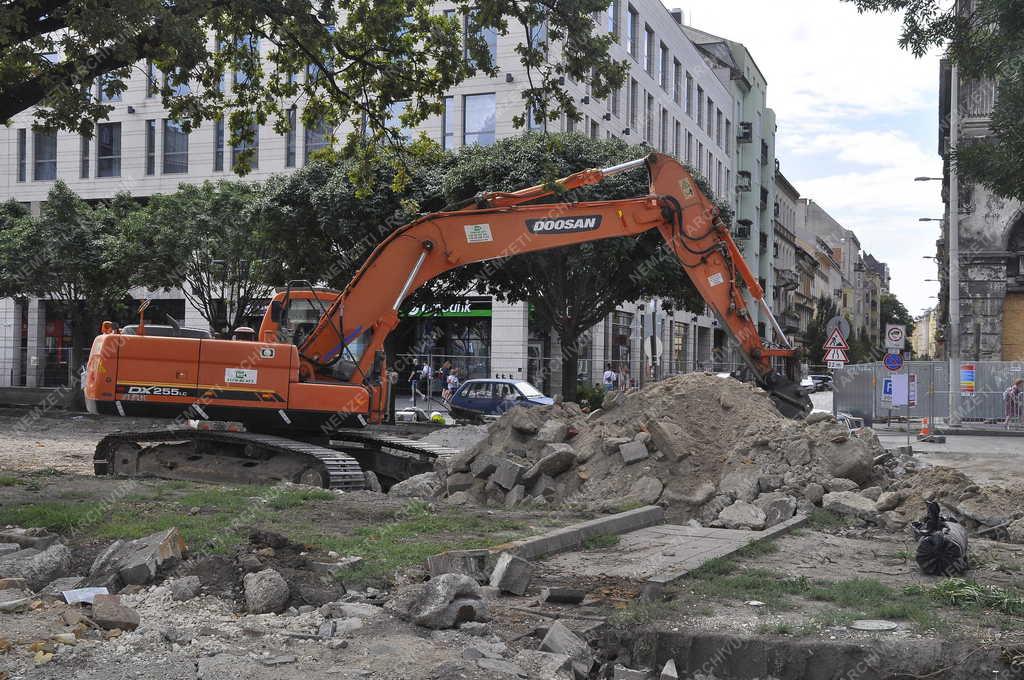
x,y
486,397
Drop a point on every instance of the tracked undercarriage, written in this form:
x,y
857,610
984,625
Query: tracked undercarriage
x,y
339,462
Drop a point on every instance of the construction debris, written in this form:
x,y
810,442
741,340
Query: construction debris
x,y
266,592
137,561
109,613
512,574
442,602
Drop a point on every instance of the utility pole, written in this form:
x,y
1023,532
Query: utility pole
x,y
953,252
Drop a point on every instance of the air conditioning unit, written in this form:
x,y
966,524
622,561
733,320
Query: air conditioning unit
x,y
586,99
745,133
607,116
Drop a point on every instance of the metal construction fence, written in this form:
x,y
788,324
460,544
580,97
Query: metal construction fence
x,y
865,391
46,367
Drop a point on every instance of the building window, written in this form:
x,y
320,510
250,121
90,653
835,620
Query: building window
x,y
711,166
718,178
44,155
22,154
478,119
218,146
150,147
595,130
634,101
689,147
532,124
108,150
649,50
663,132
490,37
83,171
633,33
620,341
614,101
677,82
689,95
152,79
613,18
700,157
103,92
700,107
242,146
728,136
718,127
289,139
316,137
252,45
448,124
711,116
175,148
677,138
649,119
177,83
664,66
570,124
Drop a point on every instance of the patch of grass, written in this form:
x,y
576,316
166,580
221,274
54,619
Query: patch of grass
x,y
751,584
639,613
45,472
53,515
758,549
293,498
601,541
411,539
7,480
718,566
779,628
972,595
826,519
629,505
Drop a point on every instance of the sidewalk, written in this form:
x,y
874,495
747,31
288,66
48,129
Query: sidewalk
x,y
967,429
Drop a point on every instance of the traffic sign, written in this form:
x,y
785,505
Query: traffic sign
x,y
836,341
836,355
835,364
893,361
895,336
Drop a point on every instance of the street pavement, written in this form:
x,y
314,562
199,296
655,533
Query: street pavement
x,y
991,459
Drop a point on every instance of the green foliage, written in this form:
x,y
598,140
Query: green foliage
x,y
891,310
203,238
601,541
970,594
986,44
593,395
248,62
825,309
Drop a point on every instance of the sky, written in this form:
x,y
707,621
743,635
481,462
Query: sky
x,y
857,121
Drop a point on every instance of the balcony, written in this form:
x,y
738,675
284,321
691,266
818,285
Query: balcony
x,y
745,133
790,321
787,279
742,231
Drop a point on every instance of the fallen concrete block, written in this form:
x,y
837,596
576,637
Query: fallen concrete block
x,y
424,485
840,484
553,431
557,459
560,640
669,672
38,568
515,496
54,589
8,548
459,481
507,474
742,515
852,504
633,452
483,466
266,592
440,603
512,574
562,595
109,613
137,561
777,507
40,539
523,421
14,599
472,563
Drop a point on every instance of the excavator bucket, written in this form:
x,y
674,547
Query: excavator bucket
x,y
788,396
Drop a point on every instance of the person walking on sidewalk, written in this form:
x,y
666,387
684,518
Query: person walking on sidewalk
x,y
414,382
608,378
1013,403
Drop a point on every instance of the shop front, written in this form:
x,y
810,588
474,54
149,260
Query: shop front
x,y
454,334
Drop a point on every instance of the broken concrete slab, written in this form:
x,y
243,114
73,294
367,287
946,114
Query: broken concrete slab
x,y
8,548
572,537
545,664
54,589
14,599
523,421
483,466
40,539
777,507
560,640
138,561
185,588
459,481
472,563
109,613
38,568
633,452
742,515
852,504
515,496
558,595
442,602
425,485
553,431
501,667
557,459
512,574
507,474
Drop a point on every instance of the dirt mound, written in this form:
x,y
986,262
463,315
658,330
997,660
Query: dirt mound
x,y
697,443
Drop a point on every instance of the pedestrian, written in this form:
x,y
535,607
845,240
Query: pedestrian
x,y
1013,402
414,381
609,378
425,375
624,379
452,385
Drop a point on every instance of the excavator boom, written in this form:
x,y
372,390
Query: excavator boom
x,y
495,226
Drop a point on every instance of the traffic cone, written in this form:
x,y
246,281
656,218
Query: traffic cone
x,y
925,431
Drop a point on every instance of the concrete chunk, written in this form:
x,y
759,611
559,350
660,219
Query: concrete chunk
x,y
460,481
109,613
553,431
557,459
512,574
472,563
851,503
515,496
508,474
633,452
669,672
483,466
624,673
53,590
138,561
37,568
266,592
560,640
562,595
742,515
440,603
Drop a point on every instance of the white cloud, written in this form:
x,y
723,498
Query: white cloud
x,y
843,92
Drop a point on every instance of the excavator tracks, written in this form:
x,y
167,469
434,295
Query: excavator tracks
x,y
232,457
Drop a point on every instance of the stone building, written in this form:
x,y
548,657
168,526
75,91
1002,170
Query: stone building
x,y
991,239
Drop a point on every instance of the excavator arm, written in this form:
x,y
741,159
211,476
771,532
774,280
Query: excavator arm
x,y
495,226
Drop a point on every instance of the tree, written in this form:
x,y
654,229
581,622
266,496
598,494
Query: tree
x,y
570,289
78,255
205,239
379,65
986,43
891,310
817,330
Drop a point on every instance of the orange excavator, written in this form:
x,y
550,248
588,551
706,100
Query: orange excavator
x,y
295,402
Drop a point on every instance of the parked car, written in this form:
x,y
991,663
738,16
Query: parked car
x,y
492,397
817,383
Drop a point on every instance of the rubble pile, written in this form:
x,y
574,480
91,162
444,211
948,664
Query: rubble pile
x,y
709,448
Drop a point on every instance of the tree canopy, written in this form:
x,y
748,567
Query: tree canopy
x,y
986,41
379,65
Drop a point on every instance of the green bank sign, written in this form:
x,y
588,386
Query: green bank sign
x,y
467,308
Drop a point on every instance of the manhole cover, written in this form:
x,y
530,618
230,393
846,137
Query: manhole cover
x,y
873,624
